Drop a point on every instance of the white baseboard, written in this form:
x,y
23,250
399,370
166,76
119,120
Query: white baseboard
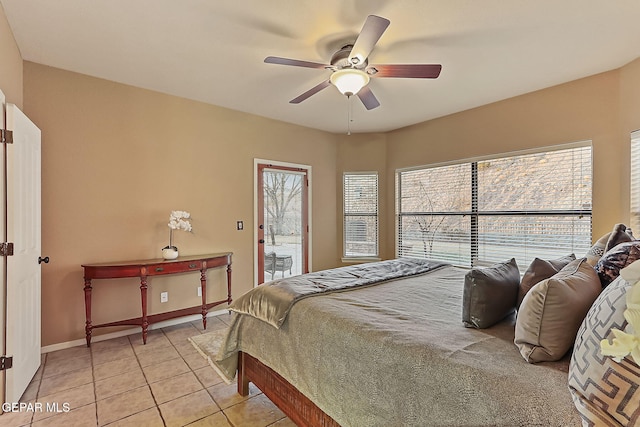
x,y
125,332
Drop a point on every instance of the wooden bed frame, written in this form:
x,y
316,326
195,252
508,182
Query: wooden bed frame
x,y
290,400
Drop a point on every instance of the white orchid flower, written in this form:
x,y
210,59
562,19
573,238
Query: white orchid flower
x,y
627,343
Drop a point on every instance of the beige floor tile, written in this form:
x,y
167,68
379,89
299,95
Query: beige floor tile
x,y
163,370
115,367
119,384
179,334
69,353
149,418
208,376
80,417
226,395
156,355
213,324
185,348
32,390
216,420
155,339
195,361
187,409
16,419
109,354
175,383
285,422
174,387
258,411
66,381
74,398
124,405
63,365
110,344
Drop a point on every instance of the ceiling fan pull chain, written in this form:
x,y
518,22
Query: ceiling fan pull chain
x,y
348,115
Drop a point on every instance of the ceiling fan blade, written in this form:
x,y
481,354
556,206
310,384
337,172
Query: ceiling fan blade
x,y
371,32
310,92
294,62
368,98
416,71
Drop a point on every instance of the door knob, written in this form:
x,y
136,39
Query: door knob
x,y
261,241
45,260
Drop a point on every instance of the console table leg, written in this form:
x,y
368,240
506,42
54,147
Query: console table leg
x,y
229,283
203,288
87,308
143,296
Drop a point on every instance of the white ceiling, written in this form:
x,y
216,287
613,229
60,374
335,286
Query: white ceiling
x,y
213,50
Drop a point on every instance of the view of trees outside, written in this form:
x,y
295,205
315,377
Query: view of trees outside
x,y
535,205
283,215
282,194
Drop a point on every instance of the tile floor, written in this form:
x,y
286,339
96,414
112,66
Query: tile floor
x,y
120,382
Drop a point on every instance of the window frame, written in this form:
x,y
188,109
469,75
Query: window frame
x,y
473,212
374,213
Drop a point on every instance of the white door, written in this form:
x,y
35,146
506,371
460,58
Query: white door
x,y
23,204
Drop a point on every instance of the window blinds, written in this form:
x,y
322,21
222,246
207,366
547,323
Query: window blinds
x,y
360,214
479,213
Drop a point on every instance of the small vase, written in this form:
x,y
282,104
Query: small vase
x,y
170,252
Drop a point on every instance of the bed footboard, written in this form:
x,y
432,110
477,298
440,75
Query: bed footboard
x,y
292,402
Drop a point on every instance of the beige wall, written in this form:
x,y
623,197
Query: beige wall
x,y
11,64
117,159
364,153
629,122
586,109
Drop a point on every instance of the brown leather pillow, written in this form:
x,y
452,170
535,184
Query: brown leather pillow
x,y
538,270
490,294
553,310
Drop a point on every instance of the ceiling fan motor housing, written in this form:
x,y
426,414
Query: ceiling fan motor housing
x,y
340,59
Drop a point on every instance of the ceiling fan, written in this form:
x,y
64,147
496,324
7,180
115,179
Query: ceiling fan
x,y
351,70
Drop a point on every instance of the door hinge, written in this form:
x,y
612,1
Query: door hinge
x,y
6,249
6,363
6,136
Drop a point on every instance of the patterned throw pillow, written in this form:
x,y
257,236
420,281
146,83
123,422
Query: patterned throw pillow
x,y
619,234
615,259
605,392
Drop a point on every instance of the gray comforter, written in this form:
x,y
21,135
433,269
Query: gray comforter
x,y
397,354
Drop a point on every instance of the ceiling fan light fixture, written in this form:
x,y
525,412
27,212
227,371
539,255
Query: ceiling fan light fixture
x,y
349,81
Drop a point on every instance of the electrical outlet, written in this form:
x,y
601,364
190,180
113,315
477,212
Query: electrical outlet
x,y
199,291
164,297
239,225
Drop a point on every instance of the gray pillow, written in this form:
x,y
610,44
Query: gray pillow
x,y
490,294
553,310
538,270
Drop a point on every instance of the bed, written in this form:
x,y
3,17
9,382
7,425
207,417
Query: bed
x,y
390,353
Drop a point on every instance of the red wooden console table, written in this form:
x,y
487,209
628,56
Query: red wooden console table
x,y
155,267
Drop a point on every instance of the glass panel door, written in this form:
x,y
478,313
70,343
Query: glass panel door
x,y
283,223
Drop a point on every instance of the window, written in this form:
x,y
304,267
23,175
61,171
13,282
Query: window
x,y
486,211
360,214
635,182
